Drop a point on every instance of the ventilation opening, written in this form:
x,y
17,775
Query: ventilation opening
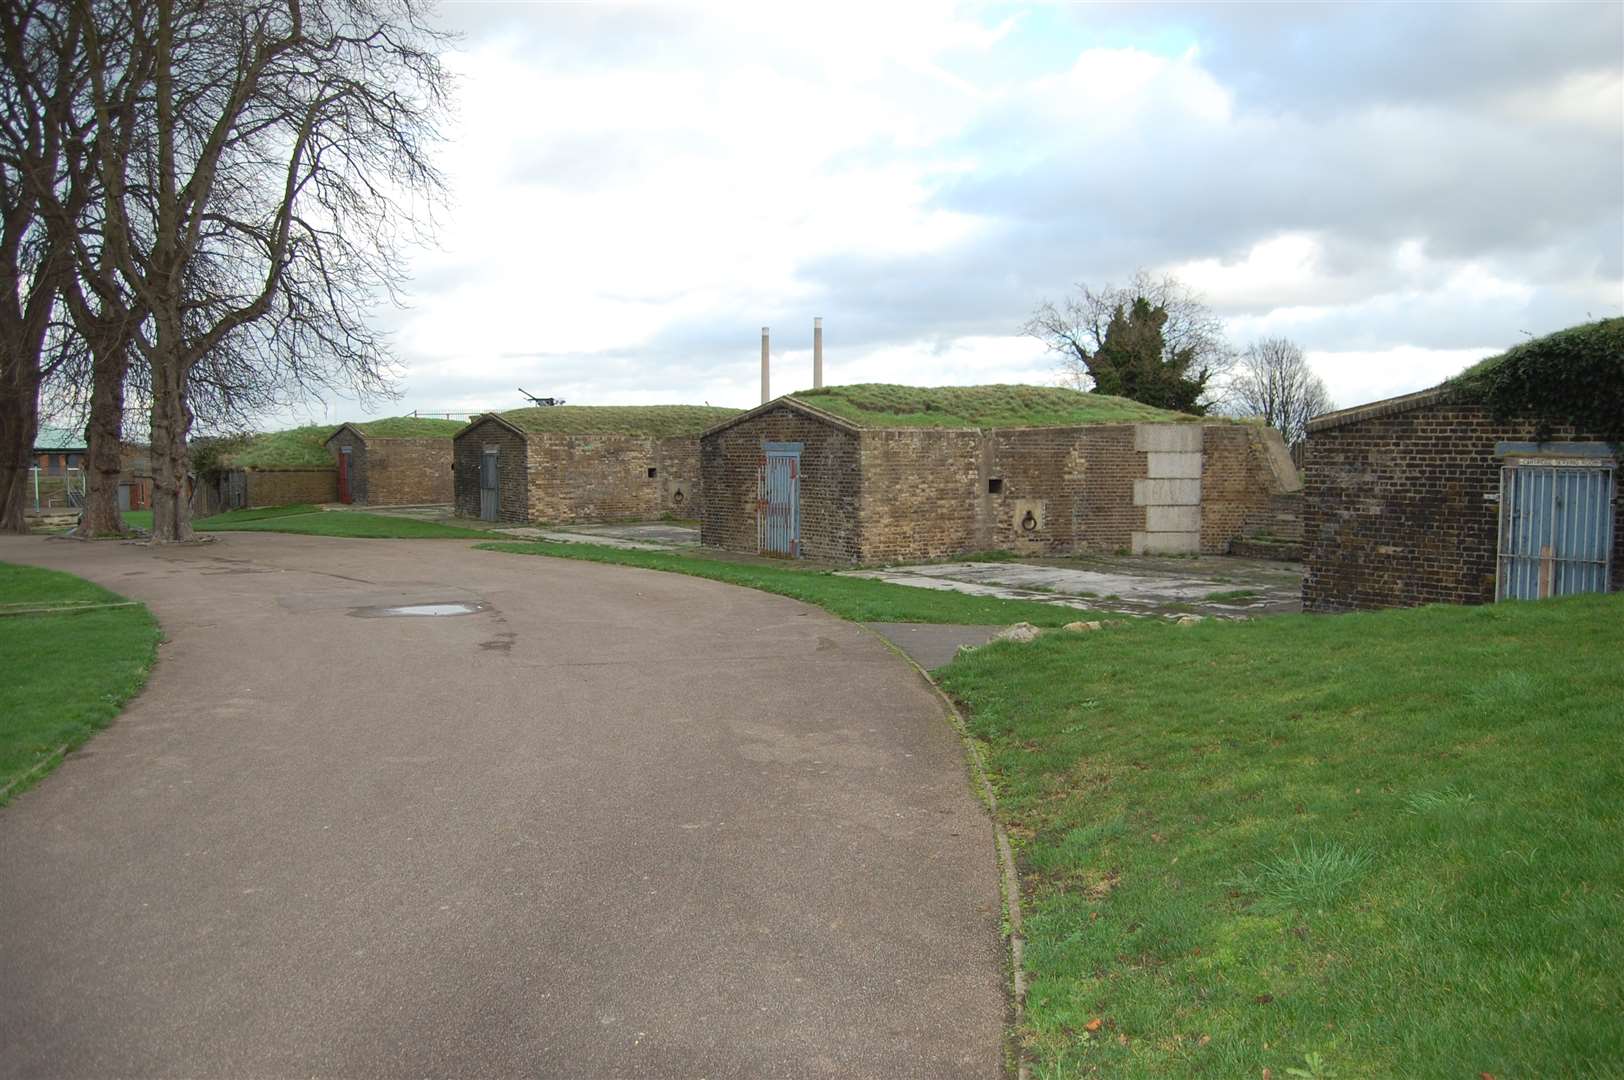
x,y
995,486
651,472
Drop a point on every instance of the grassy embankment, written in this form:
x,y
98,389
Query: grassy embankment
x,y
67,672
1372,845
858,599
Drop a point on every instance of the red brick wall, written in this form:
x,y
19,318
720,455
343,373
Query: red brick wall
x,y
1394,512
729,464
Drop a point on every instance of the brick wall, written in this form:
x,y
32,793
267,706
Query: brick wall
x,y
681,489
1394,513
406,472
922,494
279,487
927,493
585,478
513,504
729,463
1243,490
357,464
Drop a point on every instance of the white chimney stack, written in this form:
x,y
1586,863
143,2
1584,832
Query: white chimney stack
x,y
766,391
817,353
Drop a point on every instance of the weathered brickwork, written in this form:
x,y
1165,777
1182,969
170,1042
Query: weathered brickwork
x,y
730,462
408,472
903,494
583,478
1395,514
513,500
919,496
1240,488
279,487
395,472
564,479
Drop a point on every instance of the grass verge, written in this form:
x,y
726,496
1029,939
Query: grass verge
x,y
67,674
313,521
859,599
352,523
1375,845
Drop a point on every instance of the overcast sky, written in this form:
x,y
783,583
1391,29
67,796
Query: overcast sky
x,y
636,191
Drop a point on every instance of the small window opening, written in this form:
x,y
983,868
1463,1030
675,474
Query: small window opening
x,y
995,486
651,472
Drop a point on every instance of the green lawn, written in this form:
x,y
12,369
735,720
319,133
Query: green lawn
x,y
313,521
353,523
66,675
859,599
1391,843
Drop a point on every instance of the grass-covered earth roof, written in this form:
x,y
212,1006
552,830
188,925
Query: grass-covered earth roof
x,y
409,427
882,405
658,421
306,447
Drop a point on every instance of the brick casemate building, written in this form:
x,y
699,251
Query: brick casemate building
x,y
795,477
1428,498
376,468
569,464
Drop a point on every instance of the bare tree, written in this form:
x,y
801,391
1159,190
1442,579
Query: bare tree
x,y
285,159
1075,330
1274,383
34,260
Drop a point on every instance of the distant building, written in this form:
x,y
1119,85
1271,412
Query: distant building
x,y
876,473
582,463
57,449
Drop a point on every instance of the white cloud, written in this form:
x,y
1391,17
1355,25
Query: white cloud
x,y
637,189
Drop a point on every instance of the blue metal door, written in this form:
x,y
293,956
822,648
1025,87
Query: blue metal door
x,y
1556,531
778,500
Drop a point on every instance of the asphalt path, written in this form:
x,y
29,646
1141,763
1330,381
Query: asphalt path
x,y
614,823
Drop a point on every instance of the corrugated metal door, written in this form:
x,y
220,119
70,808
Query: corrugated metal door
x,y
1556,531
778,502
488,503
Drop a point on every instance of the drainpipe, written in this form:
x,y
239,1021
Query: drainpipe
x,y
766,393
817,353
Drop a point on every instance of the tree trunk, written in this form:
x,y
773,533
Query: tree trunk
x,y
171,420
104,436
19,424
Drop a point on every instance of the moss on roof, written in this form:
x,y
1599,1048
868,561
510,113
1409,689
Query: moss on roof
x,y
410,427
882,405
659,421
1573,376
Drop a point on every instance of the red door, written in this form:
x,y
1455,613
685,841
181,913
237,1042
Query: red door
x,y
343,474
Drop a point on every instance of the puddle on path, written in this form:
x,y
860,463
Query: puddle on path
x,y
431,610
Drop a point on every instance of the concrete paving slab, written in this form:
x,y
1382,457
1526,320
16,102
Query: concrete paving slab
x,y
933,644
1120,585
667,533
528,532
614,823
